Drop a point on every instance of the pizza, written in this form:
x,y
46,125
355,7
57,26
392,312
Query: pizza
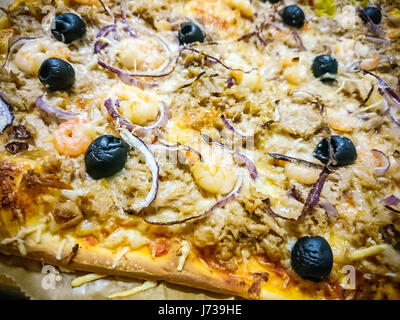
x,y
248,148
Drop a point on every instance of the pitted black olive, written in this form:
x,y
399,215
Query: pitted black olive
x,y
343,150
293,16
106,156
68,27
312,258
56,74
374,13
325,67
189,33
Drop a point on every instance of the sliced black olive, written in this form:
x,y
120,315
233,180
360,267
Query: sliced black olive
x,y
343,150
325,67
312,258
189,33
56,74
271,1
374,13
106,156
293,16
68,27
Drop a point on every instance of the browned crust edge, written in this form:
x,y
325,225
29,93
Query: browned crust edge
x,y
137,265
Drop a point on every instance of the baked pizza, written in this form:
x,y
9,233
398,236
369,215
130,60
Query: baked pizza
x,y
248,148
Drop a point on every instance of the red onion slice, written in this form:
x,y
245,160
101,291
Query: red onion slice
x,y
176,147
161,121
383,160
6,116
389,96
378,40
373,28
296,160
125,77
391,200
250,165
129,78
315,192
60,114
18,42
103,32
297,36
269,210
139,145
232,195
329,208
131,32
229,125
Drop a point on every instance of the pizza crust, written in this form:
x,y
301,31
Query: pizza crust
x,y
135,264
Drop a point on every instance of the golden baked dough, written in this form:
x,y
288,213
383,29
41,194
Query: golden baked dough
x,y
220,179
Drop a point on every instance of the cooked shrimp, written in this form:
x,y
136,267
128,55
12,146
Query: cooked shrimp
x,y
301,174
217,15
32,54
214,178
137,105
72,138
371,63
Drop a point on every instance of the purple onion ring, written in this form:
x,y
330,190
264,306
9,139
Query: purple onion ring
x,y
60,114
161,121
151,162
384,163
231,196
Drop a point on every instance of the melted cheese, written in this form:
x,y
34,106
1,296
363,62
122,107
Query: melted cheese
x,y
366,252
120,254
145,286
184,250
87,278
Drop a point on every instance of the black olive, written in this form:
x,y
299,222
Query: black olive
x,y
68,27
343,150
271,1
325,67
189,33
312,258
293,16
374,13
106,156
56,74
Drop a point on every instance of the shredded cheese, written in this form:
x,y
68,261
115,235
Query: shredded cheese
x,y
366,252
20,235
120,254
85,279
60,249
146,285
184,250
21,247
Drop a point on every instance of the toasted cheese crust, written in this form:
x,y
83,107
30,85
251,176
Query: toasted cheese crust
x,y
246,92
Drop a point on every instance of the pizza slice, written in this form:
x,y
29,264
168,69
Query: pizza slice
x,y
233,146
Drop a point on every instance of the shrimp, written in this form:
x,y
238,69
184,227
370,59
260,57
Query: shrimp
x,y
213,178
32,54
301,174
138,106
218,16
72,138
